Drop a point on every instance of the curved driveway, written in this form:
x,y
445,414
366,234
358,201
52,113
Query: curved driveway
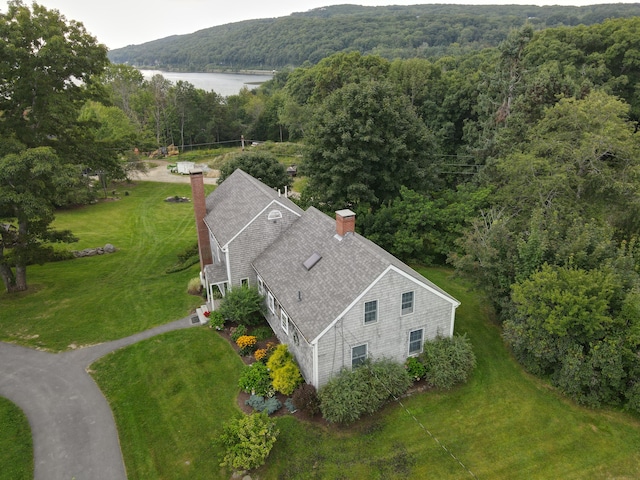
x,y
74,434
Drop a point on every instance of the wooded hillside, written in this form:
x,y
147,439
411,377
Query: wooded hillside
x,y
423,31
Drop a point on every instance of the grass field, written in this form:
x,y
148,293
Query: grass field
x,y
16,449
503,424
96,299
170,394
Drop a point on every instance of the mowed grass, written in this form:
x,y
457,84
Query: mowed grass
x,y
16,448
170,395
503,424
96,299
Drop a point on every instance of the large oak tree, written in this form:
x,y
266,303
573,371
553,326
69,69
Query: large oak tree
x,y
46,68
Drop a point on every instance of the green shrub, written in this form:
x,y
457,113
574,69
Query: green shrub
x,y
216,320
353,393
286,378
255,379
263,332
448,360
269,405
305,397
238,332
415,368
243,305
248,440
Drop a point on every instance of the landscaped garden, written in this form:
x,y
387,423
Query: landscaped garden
x,y
172,394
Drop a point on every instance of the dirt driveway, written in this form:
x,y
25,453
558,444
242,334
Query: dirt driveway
x,y
160,173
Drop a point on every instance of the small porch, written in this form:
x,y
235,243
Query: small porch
x,y
214,280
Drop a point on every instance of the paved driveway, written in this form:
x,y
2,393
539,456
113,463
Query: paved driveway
x,y
74,434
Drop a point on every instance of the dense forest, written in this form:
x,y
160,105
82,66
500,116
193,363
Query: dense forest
x,y
416,31
518,164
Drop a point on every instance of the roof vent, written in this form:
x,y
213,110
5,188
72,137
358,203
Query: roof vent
x,y
311,261
274,215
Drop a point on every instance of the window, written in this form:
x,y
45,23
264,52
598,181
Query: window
x,y
260,286
358,355
407,303
271,303
415,342
245,282
284,321
370,312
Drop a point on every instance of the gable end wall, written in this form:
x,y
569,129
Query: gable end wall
x,y
253,240
389,336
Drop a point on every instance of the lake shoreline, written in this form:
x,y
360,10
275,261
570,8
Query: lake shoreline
x,y
218,70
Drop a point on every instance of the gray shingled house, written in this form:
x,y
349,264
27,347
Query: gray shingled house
x,y
334,297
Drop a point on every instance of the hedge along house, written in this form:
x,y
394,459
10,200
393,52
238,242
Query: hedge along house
x,y
334,297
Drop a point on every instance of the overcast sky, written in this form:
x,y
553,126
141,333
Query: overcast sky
x,y
118,23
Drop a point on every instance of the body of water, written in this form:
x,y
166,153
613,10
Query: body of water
x,y
224,84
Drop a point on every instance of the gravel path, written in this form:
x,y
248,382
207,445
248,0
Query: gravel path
x,y
160,173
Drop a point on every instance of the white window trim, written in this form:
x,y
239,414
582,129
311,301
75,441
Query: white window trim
x,y
411,354
364,314
271,303
366,352
284,321
260,285
413,302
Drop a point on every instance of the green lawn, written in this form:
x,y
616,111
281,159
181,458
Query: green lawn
x,y
170,394
16,449
503,424
92,300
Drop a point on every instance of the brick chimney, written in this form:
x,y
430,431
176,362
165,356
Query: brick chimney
x,y
345,222
200,209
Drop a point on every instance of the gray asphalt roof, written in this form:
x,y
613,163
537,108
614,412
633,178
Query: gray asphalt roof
x,y
236,201
315,297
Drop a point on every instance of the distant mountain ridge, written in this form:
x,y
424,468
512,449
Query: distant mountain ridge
x,y
392,32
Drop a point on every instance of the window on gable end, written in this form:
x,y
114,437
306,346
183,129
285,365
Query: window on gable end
x,y
284,321
358,355
416,341
370,312
407,303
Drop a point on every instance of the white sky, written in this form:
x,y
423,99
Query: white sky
x,y
118,23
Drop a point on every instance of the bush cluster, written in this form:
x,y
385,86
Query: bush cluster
x,y
353,393
255,379
448,360
216,320
415,368
238,332
268,405
247,441
284,372
243,305
305,397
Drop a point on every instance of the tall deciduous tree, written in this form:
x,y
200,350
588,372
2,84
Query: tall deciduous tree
x,y
32,183
261,165
46,67
365,142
